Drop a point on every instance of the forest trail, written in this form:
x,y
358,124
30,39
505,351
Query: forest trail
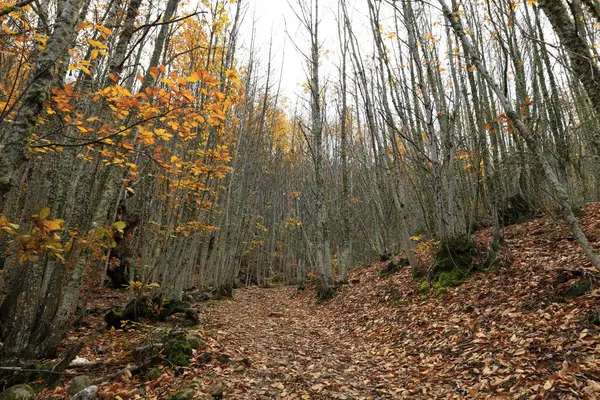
x,y
294,348
518,332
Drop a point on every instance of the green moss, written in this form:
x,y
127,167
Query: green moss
x,y
578,289
594,317
468,309
447,279
154,373
178,352
454,254
424,289
417,274
450,278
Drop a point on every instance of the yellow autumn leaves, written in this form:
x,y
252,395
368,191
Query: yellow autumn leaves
x,y
43,238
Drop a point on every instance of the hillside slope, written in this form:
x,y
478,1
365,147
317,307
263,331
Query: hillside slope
x,y
510,333
518,332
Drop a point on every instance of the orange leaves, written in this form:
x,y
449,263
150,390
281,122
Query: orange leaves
x,y
51,225
163,134
41,239
153,72
114,77
203,76
232,75
218,112
145,136
97,44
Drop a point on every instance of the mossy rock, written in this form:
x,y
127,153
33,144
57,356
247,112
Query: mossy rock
x,y
453,262
578,289
18,392
178,351
195,341
454,254
450,278
78,384
391,269
447,279
325,293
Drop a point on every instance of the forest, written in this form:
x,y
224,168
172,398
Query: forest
x,y
419,219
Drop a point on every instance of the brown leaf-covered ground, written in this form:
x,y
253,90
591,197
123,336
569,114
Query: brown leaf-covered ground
x,y
503,334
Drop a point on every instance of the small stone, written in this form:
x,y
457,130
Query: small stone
x,y
195,341
158,334
138,393
78,384
102,349
18,392
80,362
184,394
216,389
192,316
89,393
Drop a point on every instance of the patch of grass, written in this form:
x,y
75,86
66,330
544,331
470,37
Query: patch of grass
x,y
417,274
424,289
153,373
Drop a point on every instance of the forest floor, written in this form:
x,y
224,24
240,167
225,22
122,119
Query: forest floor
x,y
510,333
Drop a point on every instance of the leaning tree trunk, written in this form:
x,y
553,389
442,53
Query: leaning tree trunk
x,y
15,137
528,136
19,310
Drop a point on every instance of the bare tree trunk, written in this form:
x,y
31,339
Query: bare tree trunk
x,y
15,138
530,139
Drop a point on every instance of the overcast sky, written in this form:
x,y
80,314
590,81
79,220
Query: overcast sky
x,y
275,18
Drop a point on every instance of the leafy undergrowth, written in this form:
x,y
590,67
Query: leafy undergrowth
x,y
508,333
115,354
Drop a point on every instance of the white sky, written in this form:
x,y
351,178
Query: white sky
x,y
275,17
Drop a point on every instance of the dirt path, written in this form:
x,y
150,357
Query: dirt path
x,y
293,348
